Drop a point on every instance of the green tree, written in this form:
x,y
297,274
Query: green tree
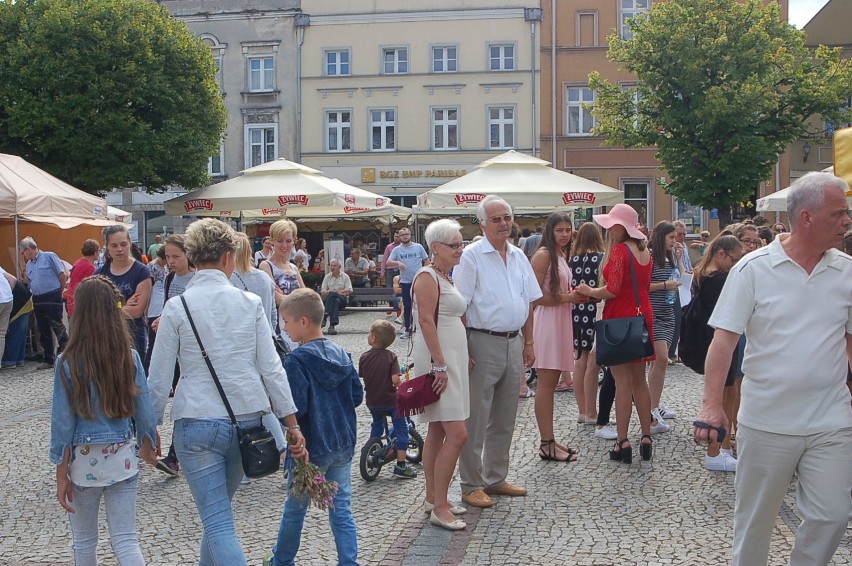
x,y
723,86
107,93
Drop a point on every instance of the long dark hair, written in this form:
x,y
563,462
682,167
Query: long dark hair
x,y
587,239
99,351
658,244
548,242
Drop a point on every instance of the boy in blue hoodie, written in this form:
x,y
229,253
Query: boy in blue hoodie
x,y
326,389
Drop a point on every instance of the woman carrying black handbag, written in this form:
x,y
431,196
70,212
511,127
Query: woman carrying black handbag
x,y
627,324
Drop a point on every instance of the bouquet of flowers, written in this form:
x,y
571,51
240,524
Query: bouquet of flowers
x,y
309,481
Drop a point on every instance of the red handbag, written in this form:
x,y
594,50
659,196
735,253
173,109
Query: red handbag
x,y
414,395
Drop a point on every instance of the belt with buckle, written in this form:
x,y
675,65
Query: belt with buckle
x,y
495,333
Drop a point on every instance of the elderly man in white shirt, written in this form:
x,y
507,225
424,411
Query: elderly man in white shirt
x,y
498,283
793,300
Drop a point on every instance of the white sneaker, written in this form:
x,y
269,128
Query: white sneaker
x,y
405,334
398,320
662,425
607,432
724,462
667,413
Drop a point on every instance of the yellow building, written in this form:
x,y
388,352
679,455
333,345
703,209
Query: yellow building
x,y
401,96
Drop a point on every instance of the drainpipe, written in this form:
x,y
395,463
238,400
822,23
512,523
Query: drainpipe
x,y
533,15
553,84
302,21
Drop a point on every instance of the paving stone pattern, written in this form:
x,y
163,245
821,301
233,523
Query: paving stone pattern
x,y
590,513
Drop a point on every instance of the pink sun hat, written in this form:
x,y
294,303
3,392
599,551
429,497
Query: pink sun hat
x,y
622,214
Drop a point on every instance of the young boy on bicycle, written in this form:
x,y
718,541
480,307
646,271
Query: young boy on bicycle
x,y
379,369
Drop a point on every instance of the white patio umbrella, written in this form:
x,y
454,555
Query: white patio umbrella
x,y
119,215
525,182
276,186
388,214
777,201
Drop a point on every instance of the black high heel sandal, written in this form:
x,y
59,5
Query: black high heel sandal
x,y
646,449
547,451
624,454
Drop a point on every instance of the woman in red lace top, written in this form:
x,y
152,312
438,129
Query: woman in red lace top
x,y
627,243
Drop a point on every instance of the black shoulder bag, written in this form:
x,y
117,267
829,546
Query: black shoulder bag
x,y
624,340
258,450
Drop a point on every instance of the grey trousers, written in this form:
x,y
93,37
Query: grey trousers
x,y
5,313
494,382
765,466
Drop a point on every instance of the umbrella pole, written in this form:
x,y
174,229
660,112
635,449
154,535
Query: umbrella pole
x,y
17,255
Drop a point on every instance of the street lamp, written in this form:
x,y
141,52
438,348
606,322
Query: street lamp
x,y
806,151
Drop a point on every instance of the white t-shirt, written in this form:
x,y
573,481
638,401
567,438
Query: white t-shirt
x,y
5,288
796,325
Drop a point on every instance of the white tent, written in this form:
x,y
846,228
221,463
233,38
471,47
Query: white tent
x,y
118,215
527,183
277,188
777,201
390,213
37,204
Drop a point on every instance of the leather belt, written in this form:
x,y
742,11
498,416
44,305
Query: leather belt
x,y
495,333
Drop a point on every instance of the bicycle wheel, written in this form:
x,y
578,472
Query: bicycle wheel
x,y
371,461
414,454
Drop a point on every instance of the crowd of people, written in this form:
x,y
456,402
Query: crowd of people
x,y
478,316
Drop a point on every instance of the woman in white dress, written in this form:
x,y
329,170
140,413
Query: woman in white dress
x,y
442,345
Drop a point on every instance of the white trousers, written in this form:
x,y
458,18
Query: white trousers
x,y
765,466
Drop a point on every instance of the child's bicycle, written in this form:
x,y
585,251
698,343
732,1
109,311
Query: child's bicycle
x,y
380,451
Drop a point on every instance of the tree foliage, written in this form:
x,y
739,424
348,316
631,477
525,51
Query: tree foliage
x,y
723,86
107,93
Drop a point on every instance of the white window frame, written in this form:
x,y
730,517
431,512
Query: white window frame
x,y
385,125
265,75
264,145
399,59
628,13
340,126
338,64
444,58
648,200
446,125
700,212
501,122
582,130
219,60
220,172
502,59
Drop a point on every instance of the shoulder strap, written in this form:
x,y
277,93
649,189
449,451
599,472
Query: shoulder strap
x,y
168,283
437,304
633,279
209,363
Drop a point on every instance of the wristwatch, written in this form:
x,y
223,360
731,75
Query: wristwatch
x,y
529,342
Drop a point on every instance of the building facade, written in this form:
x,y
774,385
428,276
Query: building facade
x,y
399,97
254,45
573,44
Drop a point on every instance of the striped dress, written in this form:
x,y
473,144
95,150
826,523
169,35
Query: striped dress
x,y
664,317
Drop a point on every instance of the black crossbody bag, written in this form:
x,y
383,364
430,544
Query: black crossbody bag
x,y
258,449
624,340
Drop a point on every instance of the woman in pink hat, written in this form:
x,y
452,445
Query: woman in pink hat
x,y
627,244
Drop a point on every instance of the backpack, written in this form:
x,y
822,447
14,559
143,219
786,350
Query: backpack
x,y
695,334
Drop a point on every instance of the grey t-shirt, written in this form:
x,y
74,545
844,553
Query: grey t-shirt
x,y
412,256
179,283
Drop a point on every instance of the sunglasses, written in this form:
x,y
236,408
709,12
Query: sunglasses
x,y
498,219
733,259
453,246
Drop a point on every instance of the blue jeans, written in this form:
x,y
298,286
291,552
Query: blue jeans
x,y
406,304
16,341
208,450
120,503
339,517
400,426
334,303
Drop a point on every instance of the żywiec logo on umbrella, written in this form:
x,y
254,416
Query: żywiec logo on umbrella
x,y
286,200
351,209
349,199
380,201
198,204
578,196
469,198
271,211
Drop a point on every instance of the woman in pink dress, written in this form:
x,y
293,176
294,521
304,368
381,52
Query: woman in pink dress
x,y
553,328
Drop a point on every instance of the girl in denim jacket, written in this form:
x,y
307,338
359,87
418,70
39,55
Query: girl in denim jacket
x,y
99,391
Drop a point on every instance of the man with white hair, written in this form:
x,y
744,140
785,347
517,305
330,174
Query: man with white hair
x,y
335,290
47,278
498,283
793,301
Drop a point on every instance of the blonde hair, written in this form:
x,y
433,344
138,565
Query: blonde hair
x,y
208,239
281,227
384,333
304,302
243,256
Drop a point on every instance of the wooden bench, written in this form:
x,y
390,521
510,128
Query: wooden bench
x,y
377,298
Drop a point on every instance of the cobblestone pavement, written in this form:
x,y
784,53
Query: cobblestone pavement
x,y
593,512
